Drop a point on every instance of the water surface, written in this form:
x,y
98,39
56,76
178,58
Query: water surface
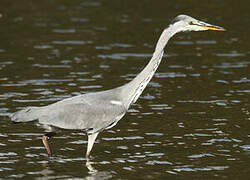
x,y
192,121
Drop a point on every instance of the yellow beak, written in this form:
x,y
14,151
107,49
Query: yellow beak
x,y
207,26
214,28
210,26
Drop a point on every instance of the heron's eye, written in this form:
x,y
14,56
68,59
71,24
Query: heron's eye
x,y
192,23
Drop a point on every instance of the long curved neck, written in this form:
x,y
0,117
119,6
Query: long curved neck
x,y
131,91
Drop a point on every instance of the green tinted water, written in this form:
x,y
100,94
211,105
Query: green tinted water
x,y
192,121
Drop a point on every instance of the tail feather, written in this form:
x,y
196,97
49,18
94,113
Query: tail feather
x,y
25,115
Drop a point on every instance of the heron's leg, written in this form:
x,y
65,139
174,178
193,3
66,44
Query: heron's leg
x,y
91,140
46,138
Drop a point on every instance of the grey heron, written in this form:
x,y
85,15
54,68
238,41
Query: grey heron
x,y
95,112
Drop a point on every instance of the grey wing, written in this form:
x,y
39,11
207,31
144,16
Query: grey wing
x,y
94,117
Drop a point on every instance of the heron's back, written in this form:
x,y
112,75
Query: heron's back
x,y
94,112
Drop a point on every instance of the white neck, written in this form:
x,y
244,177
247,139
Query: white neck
x,y
131,91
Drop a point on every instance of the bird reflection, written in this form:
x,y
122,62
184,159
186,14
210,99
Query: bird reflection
x,y
91,169
93,174
96,175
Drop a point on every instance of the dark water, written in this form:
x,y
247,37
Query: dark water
x,y
192,121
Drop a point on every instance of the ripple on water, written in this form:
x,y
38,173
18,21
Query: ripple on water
x,y
122,147
231,65
5,169
8,154
216,140
218,102
184,42
231,54
76,19
44,81
43,46
71,42
245,147
159,106
170,75
154,134
1,144
206,42
195,156
124,56
5,158
78,142
51,66
155,162
198,134
64,30
195,169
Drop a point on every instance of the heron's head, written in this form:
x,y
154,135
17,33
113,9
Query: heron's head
x,y
187,23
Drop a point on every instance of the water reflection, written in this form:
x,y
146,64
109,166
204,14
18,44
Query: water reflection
x,y
103,175
91,169
49,172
